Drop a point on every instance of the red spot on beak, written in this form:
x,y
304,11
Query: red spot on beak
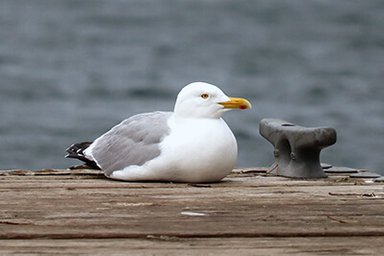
x,y
243,107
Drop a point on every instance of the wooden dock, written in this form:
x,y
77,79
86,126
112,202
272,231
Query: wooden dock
x,y
81,212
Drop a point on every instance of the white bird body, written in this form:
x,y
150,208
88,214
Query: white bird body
x,y
210,157
192,144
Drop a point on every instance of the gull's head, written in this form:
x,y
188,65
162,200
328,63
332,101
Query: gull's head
x,y
203,100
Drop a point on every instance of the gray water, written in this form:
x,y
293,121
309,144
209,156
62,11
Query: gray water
x,y
70,70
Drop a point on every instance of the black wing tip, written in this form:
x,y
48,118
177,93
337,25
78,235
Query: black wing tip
x,y
76,150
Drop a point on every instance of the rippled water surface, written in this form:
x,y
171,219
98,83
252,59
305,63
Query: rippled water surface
x,y
69,70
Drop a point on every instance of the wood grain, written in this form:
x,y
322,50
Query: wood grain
x,y
81,212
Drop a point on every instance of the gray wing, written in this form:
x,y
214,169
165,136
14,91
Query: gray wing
x,y
132,142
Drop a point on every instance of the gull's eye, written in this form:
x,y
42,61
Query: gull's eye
x,y
204,96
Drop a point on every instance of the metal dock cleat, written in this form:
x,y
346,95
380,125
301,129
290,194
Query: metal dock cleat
x,y
297,148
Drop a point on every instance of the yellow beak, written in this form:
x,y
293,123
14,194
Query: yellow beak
x,y
236,103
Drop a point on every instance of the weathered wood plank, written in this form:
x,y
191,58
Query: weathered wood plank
x,y
197,246
242,213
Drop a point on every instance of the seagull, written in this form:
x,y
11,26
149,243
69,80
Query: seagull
x,y
192,144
